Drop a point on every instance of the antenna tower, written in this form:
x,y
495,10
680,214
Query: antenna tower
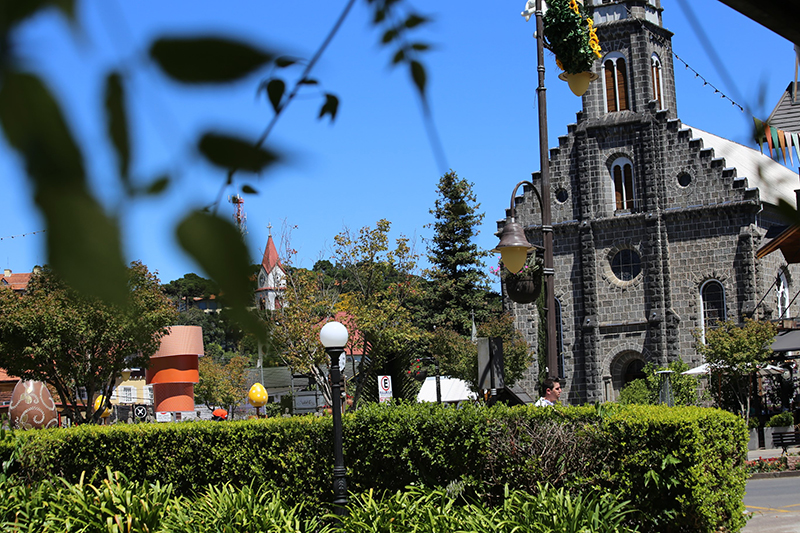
x,y
239,216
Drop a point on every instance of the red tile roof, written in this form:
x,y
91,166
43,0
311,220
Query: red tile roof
x,y
5,377
17,282
271,259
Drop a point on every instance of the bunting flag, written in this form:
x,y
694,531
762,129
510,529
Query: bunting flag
x,y
769,138
775,143
781,141
758,133
796,143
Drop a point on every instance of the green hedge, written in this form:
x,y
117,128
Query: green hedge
x,y
682,468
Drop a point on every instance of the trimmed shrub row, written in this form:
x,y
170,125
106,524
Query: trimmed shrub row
x,y
682,468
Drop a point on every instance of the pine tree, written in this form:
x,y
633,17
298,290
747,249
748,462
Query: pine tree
x,y
458,283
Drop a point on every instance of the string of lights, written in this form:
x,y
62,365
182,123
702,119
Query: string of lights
x,y
706,82
697,75
22,235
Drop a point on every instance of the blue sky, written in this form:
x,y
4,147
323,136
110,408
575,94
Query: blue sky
x,y
375,161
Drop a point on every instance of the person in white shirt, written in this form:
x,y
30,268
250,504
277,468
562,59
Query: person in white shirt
x,y
552,392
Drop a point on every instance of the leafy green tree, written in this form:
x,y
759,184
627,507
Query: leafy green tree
x,y
382,283
190,286
458,355
213,332
295,324
71,341
222,384
734,352
458,283
365,285
646,390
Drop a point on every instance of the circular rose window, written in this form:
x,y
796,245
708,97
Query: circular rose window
x,y
626,264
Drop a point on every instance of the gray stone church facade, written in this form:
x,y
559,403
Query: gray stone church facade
x,y
656,224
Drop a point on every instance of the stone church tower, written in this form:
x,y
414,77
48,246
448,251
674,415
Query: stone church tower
x,y
656,224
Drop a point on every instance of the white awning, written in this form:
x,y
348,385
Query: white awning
x,y
453,390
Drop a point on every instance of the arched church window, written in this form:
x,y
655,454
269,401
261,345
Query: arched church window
x,y
657,79
782,289
615,80
622,174
559,339
712,299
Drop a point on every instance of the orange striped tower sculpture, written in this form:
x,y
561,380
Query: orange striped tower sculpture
x,y
173,369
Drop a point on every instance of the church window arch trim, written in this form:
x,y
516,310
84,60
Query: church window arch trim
x,y
657,79
712,305
615,82
624,183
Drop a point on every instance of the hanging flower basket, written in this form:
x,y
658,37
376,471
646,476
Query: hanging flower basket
x,y
578,83
569,33
524,289
420,375
525,286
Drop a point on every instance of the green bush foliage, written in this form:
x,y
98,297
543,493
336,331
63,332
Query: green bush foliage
x,y
117,505
781,420
421,510
683,468
646,391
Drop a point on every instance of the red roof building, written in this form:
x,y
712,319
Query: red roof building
x,y
271,281
7,384
16,282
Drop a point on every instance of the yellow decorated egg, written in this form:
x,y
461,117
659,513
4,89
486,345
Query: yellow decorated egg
x,y
100,400
258,395
32,406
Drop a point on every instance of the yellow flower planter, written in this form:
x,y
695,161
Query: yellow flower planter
x,y
578,83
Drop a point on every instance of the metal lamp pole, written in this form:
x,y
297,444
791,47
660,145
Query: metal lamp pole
x,y
333,336
547,220
514,245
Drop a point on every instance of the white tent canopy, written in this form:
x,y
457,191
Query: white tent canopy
x,y
702,369
453,390
705,368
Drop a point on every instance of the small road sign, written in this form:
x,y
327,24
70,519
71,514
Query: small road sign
x,y
384,388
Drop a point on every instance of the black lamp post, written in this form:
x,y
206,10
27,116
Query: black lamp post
x,y
333,336
514,246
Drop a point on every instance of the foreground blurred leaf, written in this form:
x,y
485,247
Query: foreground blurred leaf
x,y
275,90
117,124
207,59
34,125
83,242
233,153
419,76
220,250
158,185
13,12
330,107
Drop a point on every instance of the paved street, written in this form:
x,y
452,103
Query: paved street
x,y
775,504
